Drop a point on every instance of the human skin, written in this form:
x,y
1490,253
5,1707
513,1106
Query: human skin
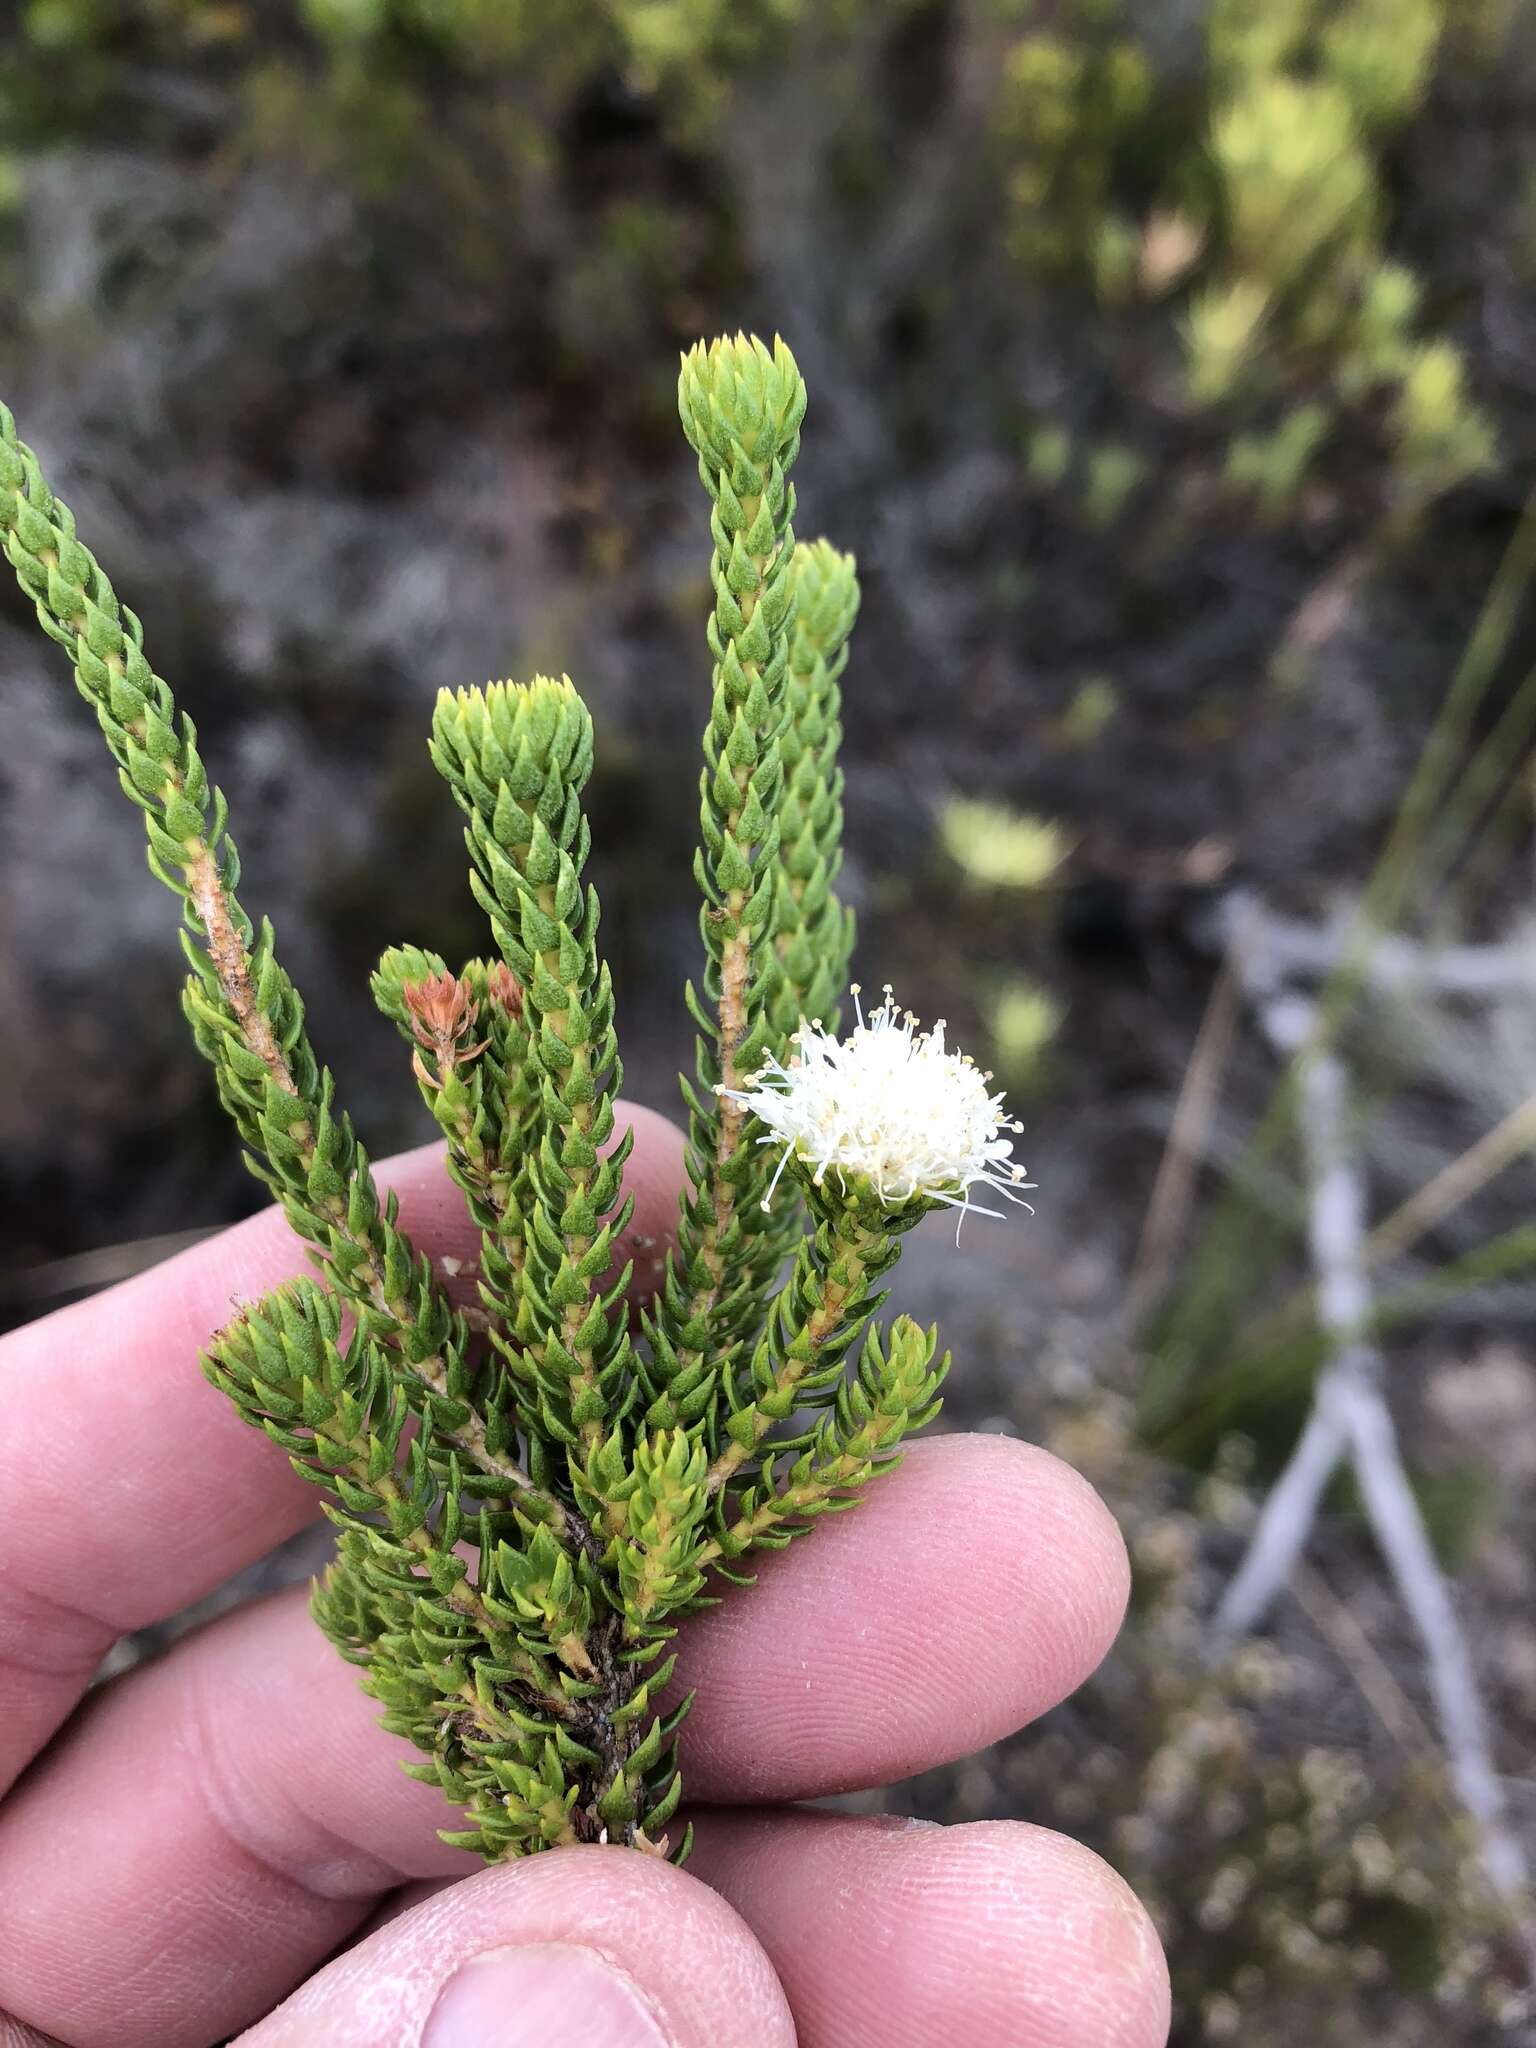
x,y
222,1839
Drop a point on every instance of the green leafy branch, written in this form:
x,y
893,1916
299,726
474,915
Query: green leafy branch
x,y
527,1500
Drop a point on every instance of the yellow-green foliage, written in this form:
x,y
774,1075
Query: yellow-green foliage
x,y
667,38
997,848
1272,466
1116,257
1380,340
1294,177
659,38
1090,712
1221,331
687,51
1297,290
1023,1019
1048,451
69,24
1249,208
1380,53
1441,437
1235,226
1254,38
1112,475
1266,235
1063,102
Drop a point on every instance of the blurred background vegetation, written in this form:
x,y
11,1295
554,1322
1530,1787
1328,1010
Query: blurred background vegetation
x,y
1173,374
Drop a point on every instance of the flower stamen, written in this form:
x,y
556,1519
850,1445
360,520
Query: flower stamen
x,y
890,1106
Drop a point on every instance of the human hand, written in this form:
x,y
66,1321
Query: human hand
x,y
180,1854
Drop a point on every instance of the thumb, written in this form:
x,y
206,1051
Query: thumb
x,y
599,1947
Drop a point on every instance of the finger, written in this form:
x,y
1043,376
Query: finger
x,y
898,1935
131,1486
590,1948
973,1589
242,1783
14,2035
401,1900
173,1818
786,1871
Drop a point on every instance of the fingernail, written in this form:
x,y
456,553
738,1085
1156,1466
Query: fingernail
x,y
548,1996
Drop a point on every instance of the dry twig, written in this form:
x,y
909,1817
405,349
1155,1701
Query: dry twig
x,y
1350,1419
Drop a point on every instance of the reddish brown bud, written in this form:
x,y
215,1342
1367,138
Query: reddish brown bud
x,y
503,988
442,1013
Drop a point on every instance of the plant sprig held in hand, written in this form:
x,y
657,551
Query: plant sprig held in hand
x,y
522,1524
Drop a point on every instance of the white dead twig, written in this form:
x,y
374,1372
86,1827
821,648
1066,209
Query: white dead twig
x,y
1393,1512
1336,1221
1278,950
1349,1417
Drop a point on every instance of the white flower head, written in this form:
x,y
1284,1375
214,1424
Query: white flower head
x,y
890,1107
